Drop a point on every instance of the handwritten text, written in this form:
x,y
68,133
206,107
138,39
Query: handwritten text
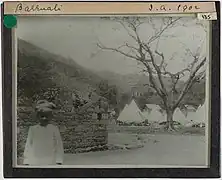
x,y
180,8
37,8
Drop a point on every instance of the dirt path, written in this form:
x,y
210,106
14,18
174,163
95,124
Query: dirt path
x,y
159,150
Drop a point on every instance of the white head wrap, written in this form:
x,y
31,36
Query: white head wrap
x,y
44,106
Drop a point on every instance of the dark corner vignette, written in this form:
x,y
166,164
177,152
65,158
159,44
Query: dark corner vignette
x,y
212,172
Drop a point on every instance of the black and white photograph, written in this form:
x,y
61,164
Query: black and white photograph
x,y
112,91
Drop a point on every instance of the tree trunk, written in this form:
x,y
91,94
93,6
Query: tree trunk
x,y
169,124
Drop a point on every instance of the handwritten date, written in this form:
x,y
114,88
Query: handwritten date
x,y
179,8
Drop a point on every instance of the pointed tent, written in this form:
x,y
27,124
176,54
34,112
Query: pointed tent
x,y
123,114
147,111
131,113
200,115
190,119
179,117
190,108
191,115
152,106
154,115
146,114
189,111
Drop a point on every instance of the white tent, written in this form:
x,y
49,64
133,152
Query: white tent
x,y
154,114
179,117
131,113
152,106
201,115
190,108
146,114
191,116
197,117
188,111
123,114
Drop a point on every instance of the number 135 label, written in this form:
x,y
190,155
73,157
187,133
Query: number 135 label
x,y
207,16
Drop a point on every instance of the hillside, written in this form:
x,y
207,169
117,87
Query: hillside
x,y
136,80
40,68
66,65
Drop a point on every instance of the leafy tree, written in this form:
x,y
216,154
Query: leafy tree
x,y
110,92
113,95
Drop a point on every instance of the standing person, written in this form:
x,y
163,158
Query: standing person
x,y
44,145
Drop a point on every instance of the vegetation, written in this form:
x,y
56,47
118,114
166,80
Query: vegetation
x,y
110,92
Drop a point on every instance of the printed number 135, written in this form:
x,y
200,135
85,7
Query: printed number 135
x,y
206,16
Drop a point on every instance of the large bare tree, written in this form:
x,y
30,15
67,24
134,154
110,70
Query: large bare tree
x,y
154,63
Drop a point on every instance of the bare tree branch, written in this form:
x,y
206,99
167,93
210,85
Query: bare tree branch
x,y
158,34
164,91
161,92
162,58
189,83
127,30
117,50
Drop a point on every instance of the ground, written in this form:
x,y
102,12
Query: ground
x,y
159,149
140,147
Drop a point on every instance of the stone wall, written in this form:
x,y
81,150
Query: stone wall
x,y
80,132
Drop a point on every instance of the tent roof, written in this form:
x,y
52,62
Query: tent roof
x,y
179,116
131,113
190,106
153,106
199,116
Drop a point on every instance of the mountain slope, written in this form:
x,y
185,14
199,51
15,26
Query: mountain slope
x,y
67,64
138,80
39,69
49,70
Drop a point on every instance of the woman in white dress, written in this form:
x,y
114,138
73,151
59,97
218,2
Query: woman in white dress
x,y
44,145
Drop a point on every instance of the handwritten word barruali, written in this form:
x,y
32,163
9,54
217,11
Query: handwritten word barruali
x,y
110,8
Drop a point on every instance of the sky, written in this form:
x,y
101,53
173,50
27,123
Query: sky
x,y
77,38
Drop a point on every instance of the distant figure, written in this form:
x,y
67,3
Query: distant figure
x,y
112,120
113,113
99,116
44,145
